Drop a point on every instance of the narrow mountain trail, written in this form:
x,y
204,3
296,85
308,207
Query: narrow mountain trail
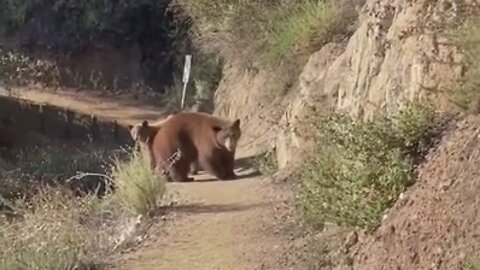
x,y
213,224
218,225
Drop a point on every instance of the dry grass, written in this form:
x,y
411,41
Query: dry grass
x,y
269,32
137,187
57,229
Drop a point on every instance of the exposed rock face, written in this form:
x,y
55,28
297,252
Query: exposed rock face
x,y
242,94
290,141
395,55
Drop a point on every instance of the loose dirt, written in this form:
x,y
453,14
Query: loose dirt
x,y
217,225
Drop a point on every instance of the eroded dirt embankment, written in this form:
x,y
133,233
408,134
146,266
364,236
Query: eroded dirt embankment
x,y
435,224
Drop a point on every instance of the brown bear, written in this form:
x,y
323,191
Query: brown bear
x,y
196,136
143,134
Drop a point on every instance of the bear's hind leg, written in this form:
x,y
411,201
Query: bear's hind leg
x,y
179,172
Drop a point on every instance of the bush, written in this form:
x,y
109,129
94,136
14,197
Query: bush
x,y
300,33
267,163
471,266
137,187
359,168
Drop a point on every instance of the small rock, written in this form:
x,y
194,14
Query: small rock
x,y
351,240
414,257
438,251
462,256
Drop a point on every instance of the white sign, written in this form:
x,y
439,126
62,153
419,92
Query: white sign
x,y
186,77
186,68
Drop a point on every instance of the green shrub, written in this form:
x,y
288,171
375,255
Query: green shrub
x,y
137,187
471,266
269,32
359,168
414,125
301,32
267,163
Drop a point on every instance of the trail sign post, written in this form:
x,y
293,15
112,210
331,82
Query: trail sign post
x,y
186,77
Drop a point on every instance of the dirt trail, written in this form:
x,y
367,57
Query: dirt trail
x,y
215,225
218,225
122,109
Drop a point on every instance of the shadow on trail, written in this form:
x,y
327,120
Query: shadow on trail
x,y
246,163
198,208
239,177
245,167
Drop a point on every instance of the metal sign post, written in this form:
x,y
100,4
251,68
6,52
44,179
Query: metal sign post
x,y
186,77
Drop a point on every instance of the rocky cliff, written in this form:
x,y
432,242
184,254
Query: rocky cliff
x,y
397,53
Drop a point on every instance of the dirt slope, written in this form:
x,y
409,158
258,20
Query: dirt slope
x,y
214,224
435,225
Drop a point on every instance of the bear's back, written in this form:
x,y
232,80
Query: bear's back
x,y
194,123
188,129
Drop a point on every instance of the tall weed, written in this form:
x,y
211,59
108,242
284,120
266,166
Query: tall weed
x,y
137,187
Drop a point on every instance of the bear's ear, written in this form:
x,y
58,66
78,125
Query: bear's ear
x,y
145,123
236,124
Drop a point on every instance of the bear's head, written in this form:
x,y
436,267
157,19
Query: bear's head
x,y
228,136
142,132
